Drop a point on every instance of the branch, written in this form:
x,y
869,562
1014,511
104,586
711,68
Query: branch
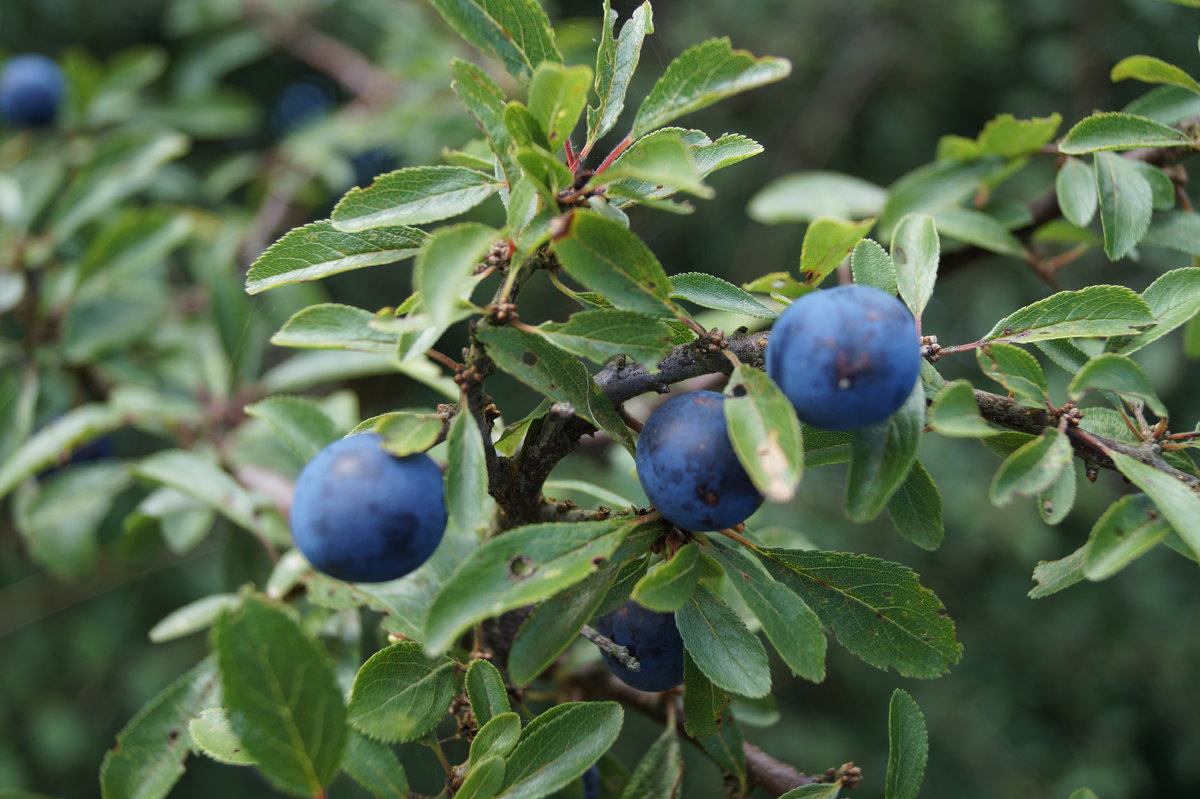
x,y
545,446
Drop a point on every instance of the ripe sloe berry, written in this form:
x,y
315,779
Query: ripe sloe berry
x,y
688,467
31,89
652,639
846,357
363,515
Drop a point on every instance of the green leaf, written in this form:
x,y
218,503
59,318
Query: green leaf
x,y
1055,575
516,32
699,77
335,327
1117,131
709,291
484,779
601,335
485,101
184,521
871,265
915,252
400,693
317,250
790,624
193,617
881,456
555,624
815,790
412,196
467,499
728,654
137,240
615,65
1118,374
916,510
151,749
660,771
878,610
703,702
1008,137
554,373
486,691
1169,105
782,287
827,242
1075,186
445,266
908,747
670,585
978,229
1093,311
765,432
728,149
1174,298
55,441
726,749
522,566
558,746
375,767
59,519
1162,188
405,432
1178,503
656,166
557,96
1088,793
125,162
1015,369
805,196
931,188
954,412
1148,69
281,696
1127,530
1031,469
1056,501
192,474
1126,203
213,735
1175,230
609,259
299,421
497,737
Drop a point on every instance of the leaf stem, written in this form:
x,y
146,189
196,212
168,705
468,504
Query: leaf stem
x,y
614,155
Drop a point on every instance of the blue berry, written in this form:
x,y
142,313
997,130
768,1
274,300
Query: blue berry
x,y
591,783
31,90
688,467
846,357
363,515
652,639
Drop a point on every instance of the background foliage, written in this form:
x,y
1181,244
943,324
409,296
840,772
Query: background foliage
x,y
1091,686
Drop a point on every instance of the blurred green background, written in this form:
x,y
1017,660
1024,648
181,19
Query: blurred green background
x,y
1091,686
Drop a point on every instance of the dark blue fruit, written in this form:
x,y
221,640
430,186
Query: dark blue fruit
x,y
31,89
301,102
363,515
652,639
846,357
688,467
591,783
